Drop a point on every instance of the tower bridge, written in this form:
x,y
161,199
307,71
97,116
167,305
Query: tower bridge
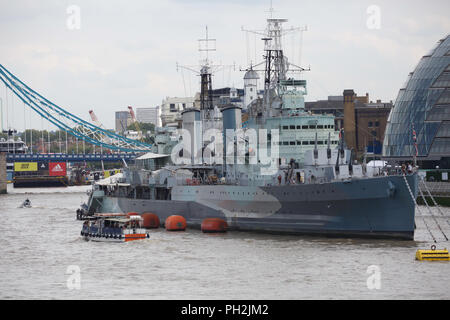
x,y
64,157
122,147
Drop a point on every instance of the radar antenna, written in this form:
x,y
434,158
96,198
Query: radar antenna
x,y
207,69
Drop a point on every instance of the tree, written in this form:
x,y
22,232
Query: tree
x,y
143,126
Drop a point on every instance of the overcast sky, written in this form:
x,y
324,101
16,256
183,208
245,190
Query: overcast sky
x,y
125,52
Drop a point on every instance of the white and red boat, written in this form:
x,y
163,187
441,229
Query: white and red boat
x,y
114,227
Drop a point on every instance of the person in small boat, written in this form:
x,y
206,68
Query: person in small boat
x,y
27,203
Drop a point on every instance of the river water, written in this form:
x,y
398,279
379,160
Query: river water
x,y
44,257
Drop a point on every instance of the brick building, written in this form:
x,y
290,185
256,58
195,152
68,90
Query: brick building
x,y
363,121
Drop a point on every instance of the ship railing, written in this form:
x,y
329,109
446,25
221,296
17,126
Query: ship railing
x,y
436,188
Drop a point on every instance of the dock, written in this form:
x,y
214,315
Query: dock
x,y
439,190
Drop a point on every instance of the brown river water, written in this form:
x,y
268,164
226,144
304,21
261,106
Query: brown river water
x,y
44,257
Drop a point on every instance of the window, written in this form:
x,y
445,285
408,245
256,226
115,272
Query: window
x,y
304,127
320,127
292,127
370,124
305,143
285,143
377,124
285,127
292,143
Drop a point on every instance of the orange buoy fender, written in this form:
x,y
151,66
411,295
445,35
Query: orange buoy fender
x,y
175,223
151,220
214,225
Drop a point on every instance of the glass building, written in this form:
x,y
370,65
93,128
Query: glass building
x,y
423,105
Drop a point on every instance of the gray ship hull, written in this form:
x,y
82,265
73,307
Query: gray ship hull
x,y
377,207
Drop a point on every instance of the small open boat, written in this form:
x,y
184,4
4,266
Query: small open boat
x,y
26,204
113,227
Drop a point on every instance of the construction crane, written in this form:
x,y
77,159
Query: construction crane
x,y
97,122
95,119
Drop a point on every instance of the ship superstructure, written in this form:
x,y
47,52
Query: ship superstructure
x,y
283,103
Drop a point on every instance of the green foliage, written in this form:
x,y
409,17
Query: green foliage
x,y
142,126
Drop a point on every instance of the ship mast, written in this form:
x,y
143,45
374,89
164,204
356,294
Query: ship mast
x,y
276,65
206,102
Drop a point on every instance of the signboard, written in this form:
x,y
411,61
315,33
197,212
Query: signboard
x,y
42,166
57,168
25,166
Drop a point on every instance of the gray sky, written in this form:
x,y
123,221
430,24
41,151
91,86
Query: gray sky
x,y
125,52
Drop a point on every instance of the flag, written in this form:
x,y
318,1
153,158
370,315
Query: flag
x,y
415,141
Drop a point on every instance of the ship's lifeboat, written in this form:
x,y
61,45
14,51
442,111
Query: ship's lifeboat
x,y
214,225
151,221
175,223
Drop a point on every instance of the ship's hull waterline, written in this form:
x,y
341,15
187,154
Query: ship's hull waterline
x,y
377,207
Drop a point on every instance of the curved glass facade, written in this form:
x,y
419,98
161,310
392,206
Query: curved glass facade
x,y
423,104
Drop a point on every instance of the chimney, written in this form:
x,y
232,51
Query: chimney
x,y
349,119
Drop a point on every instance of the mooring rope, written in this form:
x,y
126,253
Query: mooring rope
x,y
431,213
434,201
415,203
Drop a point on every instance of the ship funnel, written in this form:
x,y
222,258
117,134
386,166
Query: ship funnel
x,y
192,123
232,121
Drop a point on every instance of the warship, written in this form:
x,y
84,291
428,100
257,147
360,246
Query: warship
x,y
269,166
